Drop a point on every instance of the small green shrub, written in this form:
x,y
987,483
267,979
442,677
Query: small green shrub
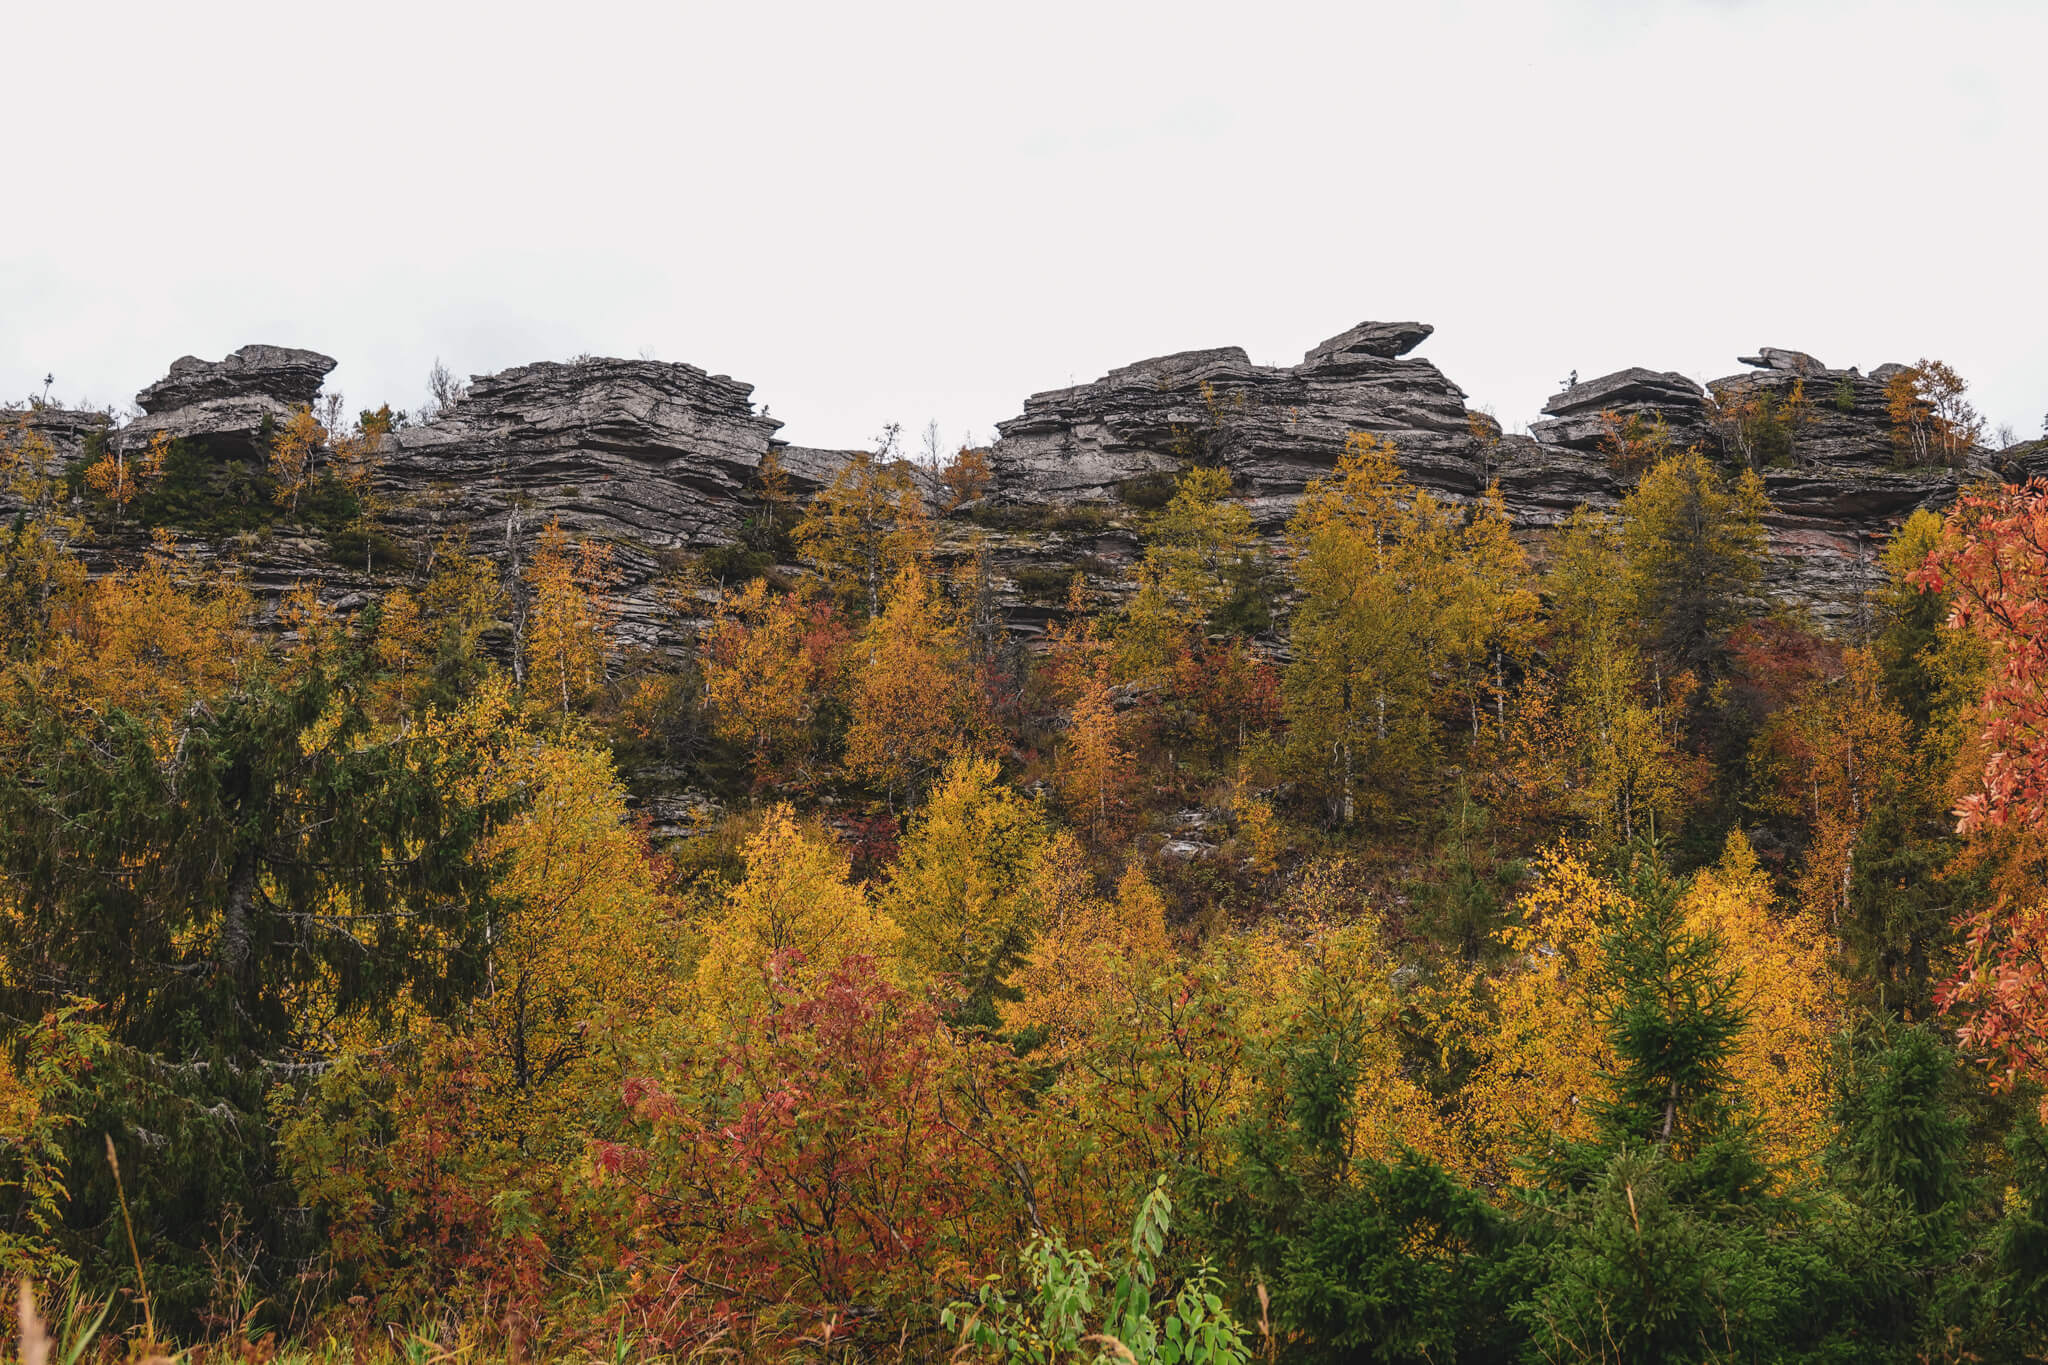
x,y
214,491
1069,1315
1076,516
736,563
355,548
1043,582
1023,516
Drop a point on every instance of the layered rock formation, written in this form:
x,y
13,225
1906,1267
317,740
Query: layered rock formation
x,y
660,460
231,399
1275,428
1573,419
68,430
1835,491
1835,486
653,458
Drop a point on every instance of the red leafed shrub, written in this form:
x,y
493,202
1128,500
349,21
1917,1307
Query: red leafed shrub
x,y
1219,695
1993,558
837,1162
1775,663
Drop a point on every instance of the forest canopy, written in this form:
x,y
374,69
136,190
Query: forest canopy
x,y
1403,939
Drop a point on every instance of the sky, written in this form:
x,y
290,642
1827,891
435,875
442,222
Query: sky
x,y
901,212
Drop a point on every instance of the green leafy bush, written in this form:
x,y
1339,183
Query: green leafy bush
x,y
1070,1316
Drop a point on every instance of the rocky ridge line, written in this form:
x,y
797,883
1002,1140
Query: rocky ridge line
x,y
659,460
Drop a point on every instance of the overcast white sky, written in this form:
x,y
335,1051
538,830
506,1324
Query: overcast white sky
x,y
887,211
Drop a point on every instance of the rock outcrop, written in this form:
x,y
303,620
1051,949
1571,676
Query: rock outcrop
x,y
660,460
1833,479
228,399
68,430
1575,415
1276,428
1835,490
655,459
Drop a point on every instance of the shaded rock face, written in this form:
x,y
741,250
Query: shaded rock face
x,y
68,430
228,399
1275,428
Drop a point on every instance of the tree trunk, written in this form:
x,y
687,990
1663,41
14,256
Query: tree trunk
x,y
234,923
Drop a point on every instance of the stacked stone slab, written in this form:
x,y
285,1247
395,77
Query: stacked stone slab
x,y
228,400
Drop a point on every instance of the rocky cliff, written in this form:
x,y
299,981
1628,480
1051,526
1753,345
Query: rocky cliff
x,y
653,458
660,460
1835,492
1276,429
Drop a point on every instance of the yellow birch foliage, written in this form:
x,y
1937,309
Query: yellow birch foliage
x,y
1259,829
1090,952
569,624
1792,991
1541,1061
864,528
121,480
293,450
768,661
792,916
961,890
584,938
1094,764
1620,734
145,643
1492,611
913,698
1379,567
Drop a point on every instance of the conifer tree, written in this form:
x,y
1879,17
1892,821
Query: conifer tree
x,y
1673,1017
1695,547
961,889
232,879
1199,552
913,701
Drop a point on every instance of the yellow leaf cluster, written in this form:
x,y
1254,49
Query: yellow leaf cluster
x,y
961,887
913,699
1541,1065
794,916
1793,993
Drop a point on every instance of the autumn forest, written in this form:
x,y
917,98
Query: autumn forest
x,y
1406,936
